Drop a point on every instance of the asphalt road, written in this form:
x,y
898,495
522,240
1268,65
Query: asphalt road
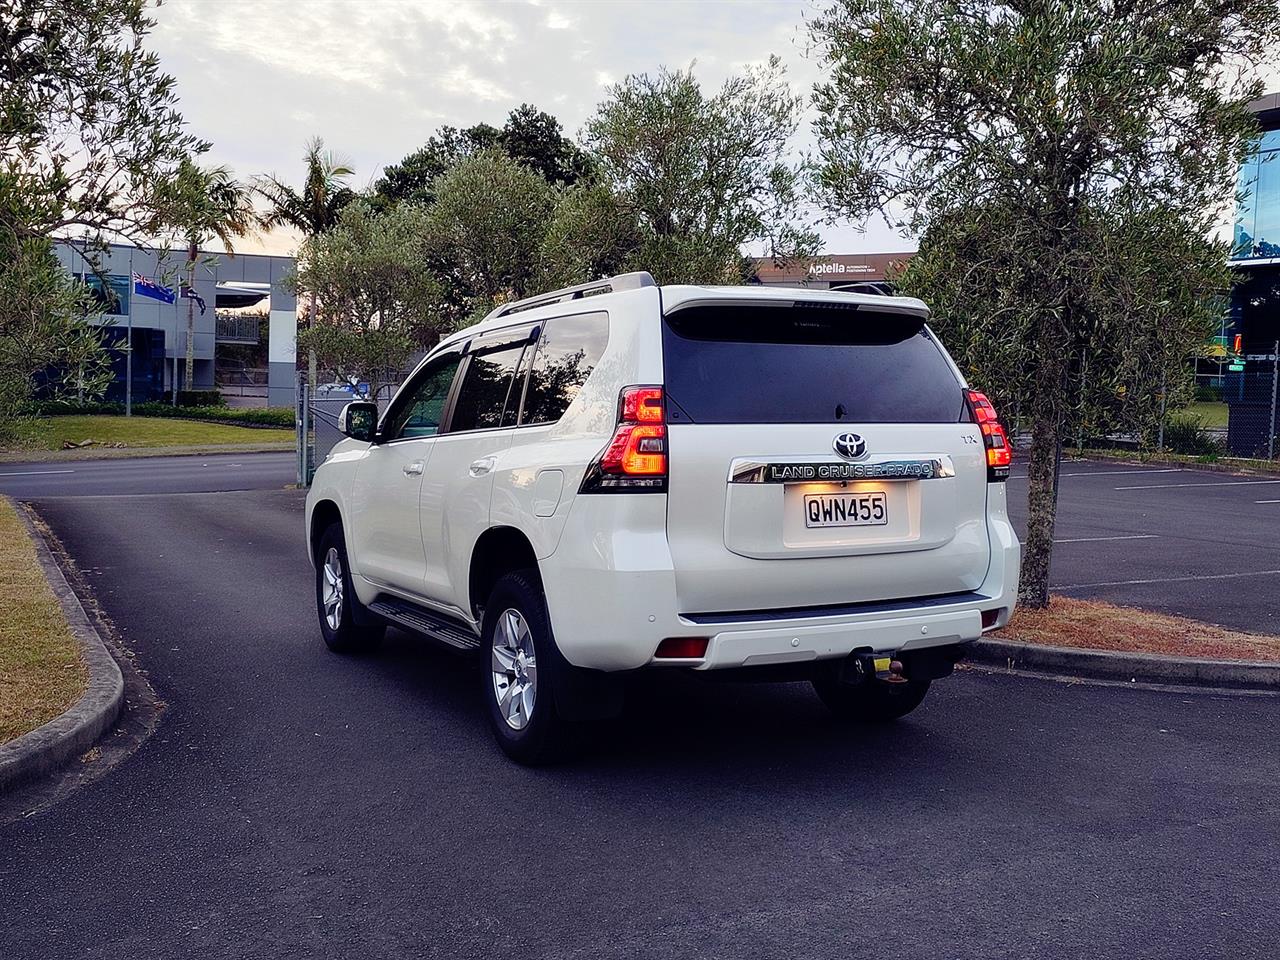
x,y
293,803
147,475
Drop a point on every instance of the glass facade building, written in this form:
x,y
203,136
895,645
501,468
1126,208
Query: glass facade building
x,y
1257,226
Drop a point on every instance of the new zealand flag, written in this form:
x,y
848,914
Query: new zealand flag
x,y
146,287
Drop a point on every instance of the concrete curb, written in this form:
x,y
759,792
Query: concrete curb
x,y
1126,667
134,453
66,737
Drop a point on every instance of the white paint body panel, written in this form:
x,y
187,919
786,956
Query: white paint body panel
x,y
622,572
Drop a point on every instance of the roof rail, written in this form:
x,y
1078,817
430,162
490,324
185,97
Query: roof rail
x,y
623,281
879,288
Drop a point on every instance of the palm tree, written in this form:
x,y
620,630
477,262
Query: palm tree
x,y
312,210
207,203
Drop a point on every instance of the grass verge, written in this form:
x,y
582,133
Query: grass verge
x,y
51,433
1095,625
41,671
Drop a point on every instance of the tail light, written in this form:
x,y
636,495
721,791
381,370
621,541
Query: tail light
x,y
994,438
635,460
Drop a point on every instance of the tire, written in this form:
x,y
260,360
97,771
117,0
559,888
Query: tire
x,y
871,701
344,623
520,672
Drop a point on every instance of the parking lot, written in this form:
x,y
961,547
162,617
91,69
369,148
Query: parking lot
x,y
1178,540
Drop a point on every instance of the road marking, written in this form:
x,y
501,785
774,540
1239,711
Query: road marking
x,y
1266,501
1133,536
1135,583
35,473
1102,473
1216,483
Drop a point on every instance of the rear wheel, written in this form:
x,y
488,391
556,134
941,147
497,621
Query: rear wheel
x,y
344,624
521,670
871,701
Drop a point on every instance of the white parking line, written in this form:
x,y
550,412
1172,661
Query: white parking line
x,y
35,473
1216,483
1266,501
1133,583
1132,536
1102,473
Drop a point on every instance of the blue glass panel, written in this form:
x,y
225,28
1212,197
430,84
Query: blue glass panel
x,y
1246,202
113,297
1266,224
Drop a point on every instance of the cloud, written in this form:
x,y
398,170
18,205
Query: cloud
x,y
375,78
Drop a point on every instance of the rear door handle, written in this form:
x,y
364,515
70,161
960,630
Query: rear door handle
x,y
482,466
414,469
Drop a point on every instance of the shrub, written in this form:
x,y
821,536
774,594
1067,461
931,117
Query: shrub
x,y
247,416
200,398
1184,433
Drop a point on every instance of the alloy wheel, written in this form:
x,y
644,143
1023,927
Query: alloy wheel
x,y
332,589
515,669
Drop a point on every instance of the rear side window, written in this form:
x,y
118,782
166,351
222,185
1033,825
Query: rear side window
x,y
569,350
486,385
805,363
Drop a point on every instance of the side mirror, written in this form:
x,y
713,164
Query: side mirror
x,y
359,420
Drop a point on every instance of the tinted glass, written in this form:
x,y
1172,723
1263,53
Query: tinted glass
x,y
569,350
485,385
423,408
805,364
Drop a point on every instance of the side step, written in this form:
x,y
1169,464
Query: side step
x,y
434,625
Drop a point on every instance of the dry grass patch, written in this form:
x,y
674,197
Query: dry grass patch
x,y
41,672
1104,626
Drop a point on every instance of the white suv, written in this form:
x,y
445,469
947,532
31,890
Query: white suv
x,y
620,476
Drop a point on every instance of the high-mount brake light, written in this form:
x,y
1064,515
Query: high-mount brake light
x,y
994,438
635,461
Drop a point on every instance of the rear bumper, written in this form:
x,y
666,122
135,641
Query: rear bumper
x,y
611,596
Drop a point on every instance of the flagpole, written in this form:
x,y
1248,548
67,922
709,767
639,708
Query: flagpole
x,y
128,348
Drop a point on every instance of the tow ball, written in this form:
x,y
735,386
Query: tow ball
x,y
884,669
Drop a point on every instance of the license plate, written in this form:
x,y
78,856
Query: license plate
x,y
845,509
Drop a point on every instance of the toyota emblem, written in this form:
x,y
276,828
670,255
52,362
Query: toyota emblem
x,y
849,445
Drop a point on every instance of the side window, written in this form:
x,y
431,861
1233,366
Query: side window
x,y
569,350
422,410
485,385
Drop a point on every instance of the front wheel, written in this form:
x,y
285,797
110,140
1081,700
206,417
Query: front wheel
x,y
520,671
872,701
343,623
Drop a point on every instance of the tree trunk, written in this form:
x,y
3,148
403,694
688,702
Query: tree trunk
x,y
191,320
1042,509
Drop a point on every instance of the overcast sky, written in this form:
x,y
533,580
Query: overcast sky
x,y
375,78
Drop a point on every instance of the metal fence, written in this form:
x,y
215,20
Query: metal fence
x,y
1252,394
317,423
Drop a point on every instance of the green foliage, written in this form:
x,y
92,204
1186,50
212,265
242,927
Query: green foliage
x,y
200,398
376,300
46,333
530,136
1184,433
703,175
244,416
315,207
485,229
1064,164
89,127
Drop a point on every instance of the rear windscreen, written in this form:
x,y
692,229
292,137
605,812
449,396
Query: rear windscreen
x,y
805,363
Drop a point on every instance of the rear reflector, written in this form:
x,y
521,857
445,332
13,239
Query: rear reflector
x,y
989,618
682,648
994,438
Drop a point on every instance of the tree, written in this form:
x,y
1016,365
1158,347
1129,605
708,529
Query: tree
x,y
199,204
704,175
485,229
90,136
47,331
530,136
312,210
89,127
1065,164
376,300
